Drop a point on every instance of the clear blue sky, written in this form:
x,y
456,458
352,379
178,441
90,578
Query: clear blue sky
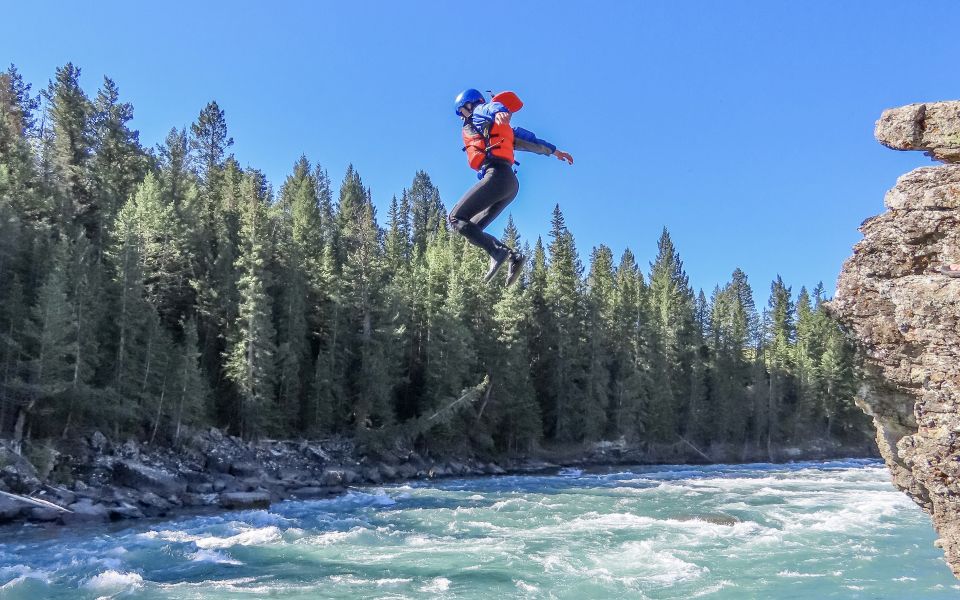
x,y
745,128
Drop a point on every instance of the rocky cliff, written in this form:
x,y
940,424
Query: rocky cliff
x,y
905,316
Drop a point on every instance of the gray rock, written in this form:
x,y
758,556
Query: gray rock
x,y
200,488
19,475
246,469
86,511
141,477
372,474
906,320
387,471
235,500
191,476
44,515
933,127
125,511
314,492
406,471
196,500
494,469
10,509
99,442
332,477
154,502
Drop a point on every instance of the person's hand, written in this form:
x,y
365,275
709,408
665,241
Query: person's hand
x,y
563,156
502,118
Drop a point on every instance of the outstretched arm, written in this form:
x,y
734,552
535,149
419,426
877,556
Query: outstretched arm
x,y
528,142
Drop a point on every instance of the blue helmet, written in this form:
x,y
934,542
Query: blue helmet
x,y
470,96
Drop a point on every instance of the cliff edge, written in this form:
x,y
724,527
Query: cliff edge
x,y
905,316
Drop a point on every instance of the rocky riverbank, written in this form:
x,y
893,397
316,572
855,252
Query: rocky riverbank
x,y
95,480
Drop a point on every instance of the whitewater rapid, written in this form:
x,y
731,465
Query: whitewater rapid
x,y
807,530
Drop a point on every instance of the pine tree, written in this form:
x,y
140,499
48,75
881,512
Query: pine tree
x,y
52,350
426,211
780,333
600,330
363,287
69,145
630,367
251,354
119,163
672,310
299,252
566,377
516,420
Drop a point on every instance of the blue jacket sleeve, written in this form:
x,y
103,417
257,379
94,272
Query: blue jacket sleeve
x,y
527,141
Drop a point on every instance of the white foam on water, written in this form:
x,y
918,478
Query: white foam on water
x,y
438,584
114,581
260,518
20,573
331,537
252,537
904,578
712,589
523,586
570,472
212,556
641,561
792,574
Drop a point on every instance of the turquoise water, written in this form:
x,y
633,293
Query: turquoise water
x,y
809,530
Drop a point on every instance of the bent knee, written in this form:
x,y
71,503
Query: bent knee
x,y
457,223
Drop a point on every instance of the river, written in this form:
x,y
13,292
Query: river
x,y
833,529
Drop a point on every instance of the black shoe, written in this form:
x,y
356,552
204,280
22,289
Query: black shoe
x,y
515,268
496,260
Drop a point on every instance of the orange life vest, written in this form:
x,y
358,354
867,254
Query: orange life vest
x,y
497,144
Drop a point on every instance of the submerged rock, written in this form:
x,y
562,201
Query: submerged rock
x,y
905,318
715,518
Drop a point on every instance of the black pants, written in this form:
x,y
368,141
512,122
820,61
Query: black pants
x,y
483,203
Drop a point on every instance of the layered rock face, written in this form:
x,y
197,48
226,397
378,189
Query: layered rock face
x,y
905,316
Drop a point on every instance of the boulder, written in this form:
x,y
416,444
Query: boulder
x,y
44,515
99,442
125,511
406,471
241,500
139,476
10,509
933,127
332,477
17,473
154,503
494,469
246,469
314,492
197,500
372,474
388,472
85,510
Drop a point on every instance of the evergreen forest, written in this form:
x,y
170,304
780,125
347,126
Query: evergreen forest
x,y
148,291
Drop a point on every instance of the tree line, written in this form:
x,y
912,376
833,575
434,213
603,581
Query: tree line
x,y
144,291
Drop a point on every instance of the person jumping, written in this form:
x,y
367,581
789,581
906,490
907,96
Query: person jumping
x,y
489,141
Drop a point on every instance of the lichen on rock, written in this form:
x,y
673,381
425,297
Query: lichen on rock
x,y
905,317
